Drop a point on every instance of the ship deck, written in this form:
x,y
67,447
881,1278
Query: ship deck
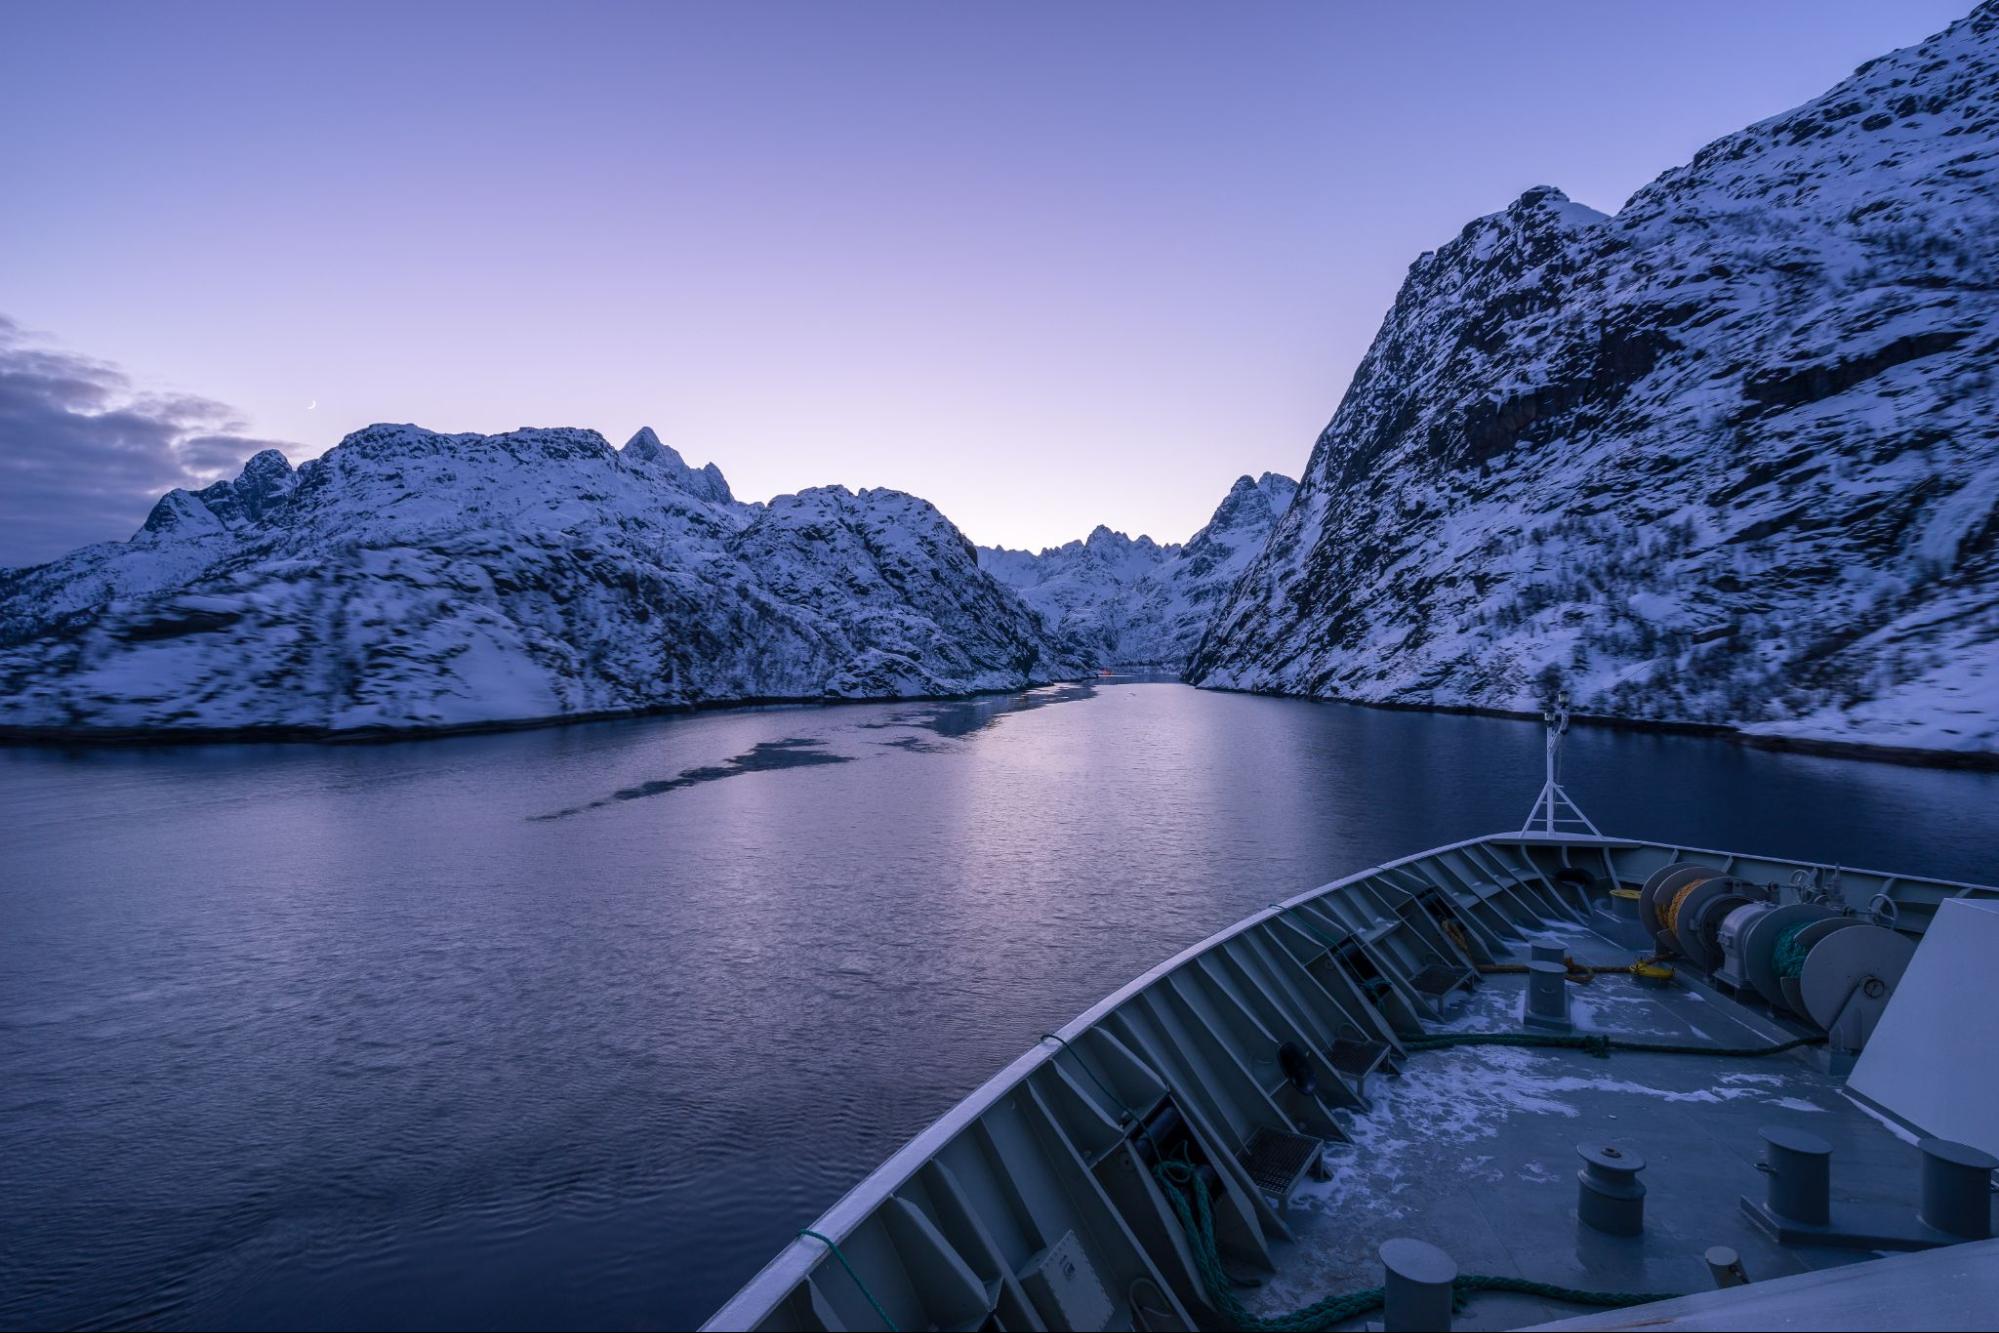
x,y
1306,1033
1473,1149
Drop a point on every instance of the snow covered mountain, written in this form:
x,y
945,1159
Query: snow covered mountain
x,y
409,579
1137,603
1731,455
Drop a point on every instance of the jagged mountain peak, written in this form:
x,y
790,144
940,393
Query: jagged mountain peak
x,y
1135,602
180,511
266,478
386,438
1257,501
836,499
645,446
1273,486
266,466
644,449
1544,205
1540,222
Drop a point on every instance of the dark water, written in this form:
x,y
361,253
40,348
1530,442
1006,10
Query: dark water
x,y
576,1027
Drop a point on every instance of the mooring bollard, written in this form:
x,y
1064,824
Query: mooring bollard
x,y
1417,1288
1609,1196
1547,995
1725,1267
1547,953
1957,1189
1799,1165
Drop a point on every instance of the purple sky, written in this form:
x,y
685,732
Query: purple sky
x,y
1045,265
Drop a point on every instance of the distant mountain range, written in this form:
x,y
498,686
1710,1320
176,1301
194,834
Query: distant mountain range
x,y
408,579
1136,603
1729,456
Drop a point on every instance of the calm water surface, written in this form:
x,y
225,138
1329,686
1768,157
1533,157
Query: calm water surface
x,y
578,1026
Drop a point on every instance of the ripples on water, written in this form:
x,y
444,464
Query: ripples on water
x,y
577,1026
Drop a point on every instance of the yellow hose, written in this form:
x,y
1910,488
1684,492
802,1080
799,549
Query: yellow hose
x,y
1581,973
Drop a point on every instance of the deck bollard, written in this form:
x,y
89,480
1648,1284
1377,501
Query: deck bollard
x,y
1725,1266
1547,953
1957,1189
1609,1196
1417,1291
1799,1165
1547,995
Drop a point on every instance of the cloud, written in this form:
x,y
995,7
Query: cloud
x,y
83,456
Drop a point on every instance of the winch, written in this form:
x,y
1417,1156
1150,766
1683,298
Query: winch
x,y
1834,968
1748,941
1682,908
1848,978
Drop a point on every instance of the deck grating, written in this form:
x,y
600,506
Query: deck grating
x,y
1276,1159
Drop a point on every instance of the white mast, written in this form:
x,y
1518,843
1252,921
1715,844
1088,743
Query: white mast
x,y
1550,805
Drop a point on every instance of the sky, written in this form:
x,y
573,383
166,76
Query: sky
x,y
1046,265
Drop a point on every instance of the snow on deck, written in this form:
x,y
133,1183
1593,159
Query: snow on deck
x,y
1474,1150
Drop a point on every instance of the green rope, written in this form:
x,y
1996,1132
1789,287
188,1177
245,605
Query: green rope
x,y
1470,1283
1597,1044
827,1241
1789,956
1180,1180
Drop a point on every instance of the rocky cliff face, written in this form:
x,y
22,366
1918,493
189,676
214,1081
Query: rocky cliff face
x,y
1137,603
1731,455
409,579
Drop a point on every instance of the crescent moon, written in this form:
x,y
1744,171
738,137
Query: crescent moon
x,y
314,403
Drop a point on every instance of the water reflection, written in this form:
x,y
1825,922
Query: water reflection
x,y
346,1036
955,719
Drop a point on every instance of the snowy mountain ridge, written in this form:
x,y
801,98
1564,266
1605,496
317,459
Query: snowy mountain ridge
x,y
412,579
1126,602
1729,456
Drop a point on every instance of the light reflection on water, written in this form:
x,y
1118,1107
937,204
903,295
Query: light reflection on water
x,y
578,1026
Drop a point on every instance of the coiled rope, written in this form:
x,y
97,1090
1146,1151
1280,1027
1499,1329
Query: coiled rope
x,y
1670,918
1789,955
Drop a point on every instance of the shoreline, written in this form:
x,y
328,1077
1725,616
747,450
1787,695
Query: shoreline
x,y
58,737
1909,756
146,738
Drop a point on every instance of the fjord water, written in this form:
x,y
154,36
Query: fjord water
x,y
578,1026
